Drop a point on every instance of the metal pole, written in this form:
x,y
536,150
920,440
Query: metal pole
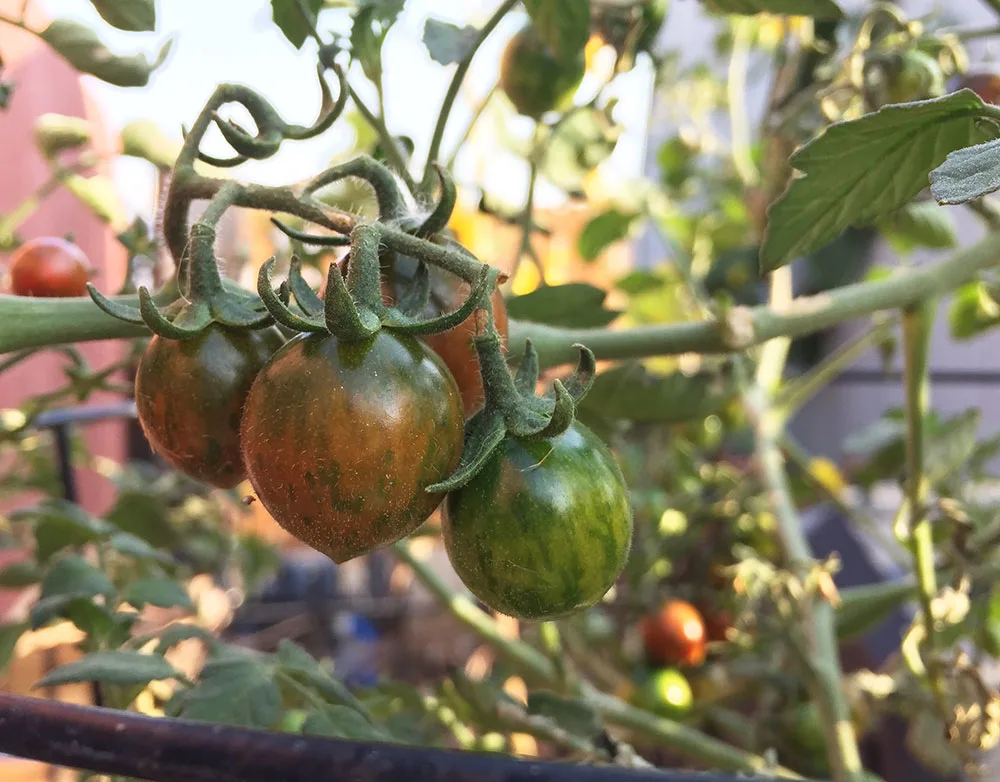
x,y
122,743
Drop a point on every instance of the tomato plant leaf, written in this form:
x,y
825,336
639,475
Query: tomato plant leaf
x,y
967,173
584,140
951,444
289,16
972,311
818,9
121,666
9,636
863,608
160,592
82,49
20,574
144,139
238,689
629,392
342,722
574,305
564,25
448,43
603,230
99,194
75,576
133,546
920,224
131,15
573,715
371,24
857,171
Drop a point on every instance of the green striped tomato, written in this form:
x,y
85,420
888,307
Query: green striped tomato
x,y
341,439
544,529
189,395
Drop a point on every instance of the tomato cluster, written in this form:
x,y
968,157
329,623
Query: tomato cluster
x,y
341,440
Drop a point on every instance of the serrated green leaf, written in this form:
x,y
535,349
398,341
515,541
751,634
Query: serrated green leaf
x,y
9,635
342,722
121,666
571,714
130,15
448,43
20,574
584,140
75,576
920,224
951,444
372,22
94,619
859,170
972,310
630,393
574,305
563,25
82,49
160,592
818,9
238,689
603,230
967,173
143,515
287,15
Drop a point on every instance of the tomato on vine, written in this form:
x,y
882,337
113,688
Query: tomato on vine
x,y
341,439
189,395
455,346
675,635
533,78
49,267
544,529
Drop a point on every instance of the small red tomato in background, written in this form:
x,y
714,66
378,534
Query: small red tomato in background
x,y
985,85
675,635
49,267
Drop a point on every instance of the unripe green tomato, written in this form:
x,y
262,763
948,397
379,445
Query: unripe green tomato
x,y
919,77
668,693
533,78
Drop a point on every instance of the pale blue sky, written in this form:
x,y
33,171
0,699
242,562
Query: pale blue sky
x,y
235,40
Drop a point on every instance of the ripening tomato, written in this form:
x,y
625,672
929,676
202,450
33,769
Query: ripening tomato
x,y
533,78
189,395
544,528
674,635
341,439
985,85
455,346
49,267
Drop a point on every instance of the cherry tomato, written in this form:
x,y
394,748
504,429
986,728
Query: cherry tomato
x,y
190,393
341,439
49,267
985,85
674,635
544,529
533,78
455,346
668,692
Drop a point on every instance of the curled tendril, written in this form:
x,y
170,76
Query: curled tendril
x,y
329,110
320,240
391,205
438,219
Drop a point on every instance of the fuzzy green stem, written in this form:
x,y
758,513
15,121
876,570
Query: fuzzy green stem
x,y
804,315
456,84
799,391
917,322
389,146
824,678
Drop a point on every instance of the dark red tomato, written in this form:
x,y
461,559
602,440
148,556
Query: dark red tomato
x,y
985,85
674,635
49,267
340,440
190,394
455,346
717,624
544,529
